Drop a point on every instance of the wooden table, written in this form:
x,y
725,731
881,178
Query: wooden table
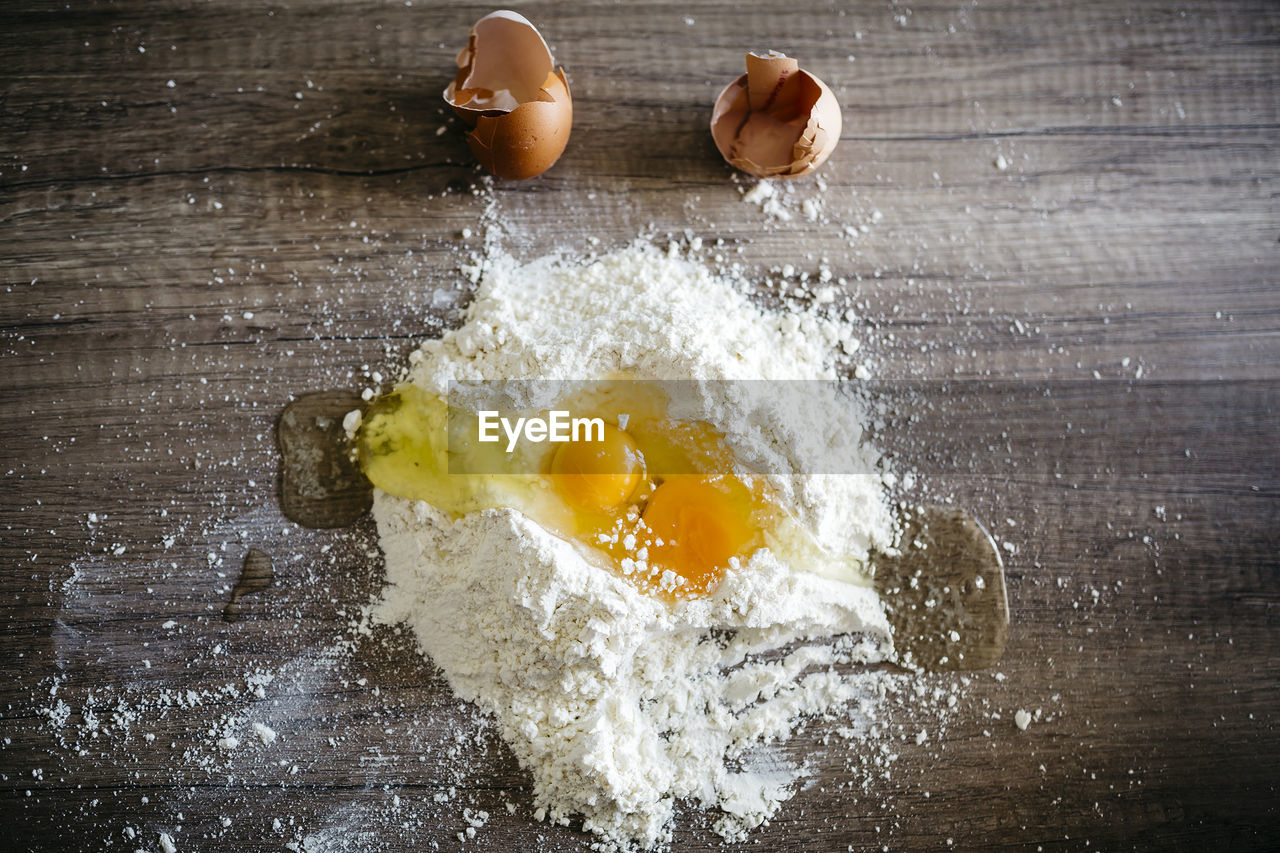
x,y
208,208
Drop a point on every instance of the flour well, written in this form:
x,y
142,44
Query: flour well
x,y
617,703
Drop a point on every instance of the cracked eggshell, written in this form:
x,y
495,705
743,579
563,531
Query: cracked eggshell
x,y
776,121
512,97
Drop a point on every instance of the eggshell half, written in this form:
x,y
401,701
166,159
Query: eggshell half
x,y
777,120
511,95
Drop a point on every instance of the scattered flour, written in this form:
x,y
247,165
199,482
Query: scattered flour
x,y
619,704
779,202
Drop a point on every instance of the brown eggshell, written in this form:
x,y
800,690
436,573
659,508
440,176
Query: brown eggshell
x,y
776,121
511,95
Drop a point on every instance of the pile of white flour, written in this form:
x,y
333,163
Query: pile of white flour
x,y
616,703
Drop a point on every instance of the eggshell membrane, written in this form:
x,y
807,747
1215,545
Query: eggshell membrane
x,y
776,121
510,94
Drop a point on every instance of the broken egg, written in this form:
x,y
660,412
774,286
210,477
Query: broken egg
x,y
776,121
662,502
512,97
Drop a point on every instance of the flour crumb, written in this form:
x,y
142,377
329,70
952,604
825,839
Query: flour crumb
x,y
770,199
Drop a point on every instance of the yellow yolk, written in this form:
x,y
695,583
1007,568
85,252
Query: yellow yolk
x,y
696,525
598,475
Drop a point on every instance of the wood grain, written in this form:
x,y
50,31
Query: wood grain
x,y
180,261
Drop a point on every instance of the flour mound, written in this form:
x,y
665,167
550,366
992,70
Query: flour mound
x,y
617,703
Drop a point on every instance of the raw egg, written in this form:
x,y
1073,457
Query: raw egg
x,y
660,501
598,474
512,97
776,121
696,525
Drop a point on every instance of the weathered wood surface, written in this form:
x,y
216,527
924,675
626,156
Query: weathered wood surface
x,y
179,260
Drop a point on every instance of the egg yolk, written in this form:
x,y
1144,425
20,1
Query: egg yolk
x,y
696,525
598,475
671,534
